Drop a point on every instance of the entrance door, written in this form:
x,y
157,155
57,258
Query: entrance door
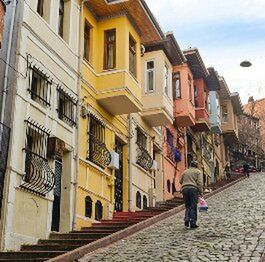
x,y
119,178
57,197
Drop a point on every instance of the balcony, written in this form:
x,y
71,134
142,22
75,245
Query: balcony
x,y
215,123
184,113
119,93
157,110
230,132
202,120
143,158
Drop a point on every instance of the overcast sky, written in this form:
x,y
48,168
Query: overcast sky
x,y
226,32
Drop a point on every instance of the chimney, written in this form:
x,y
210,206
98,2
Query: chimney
x,y
251,99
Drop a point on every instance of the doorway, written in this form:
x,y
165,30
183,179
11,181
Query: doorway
x,y
119,177
57,196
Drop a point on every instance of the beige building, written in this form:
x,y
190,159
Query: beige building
x,y
40,179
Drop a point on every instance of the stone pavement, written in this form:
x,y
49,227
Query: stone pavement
x,y
232,230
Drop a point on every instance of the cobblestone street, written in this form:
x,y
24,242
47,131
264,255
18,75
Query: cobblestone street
x,y
232,230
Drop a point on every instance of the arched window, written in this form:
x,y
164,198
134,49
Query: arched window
x,y
144,202
173,188
138,200
88,206
168,185
98,211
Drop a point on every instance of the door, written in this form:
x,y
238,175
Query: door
x,y
119,178
57,196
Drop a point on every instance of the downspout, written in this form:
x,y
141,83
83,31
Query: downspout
x,y
10,41
130,163
80,51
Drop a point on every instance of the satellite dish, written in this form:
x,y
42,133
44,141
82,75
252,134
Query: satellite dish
x,y
245,63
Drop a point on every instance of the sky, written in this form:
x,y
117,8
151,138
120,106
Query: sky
x,y
226,32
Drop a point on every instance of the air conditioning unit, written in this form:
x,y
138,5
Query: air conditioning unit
x,y
152,197
154,166
115,159
56,147
84,112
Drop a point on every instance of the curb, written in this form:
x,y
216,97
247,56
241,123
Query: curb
x,y
106,241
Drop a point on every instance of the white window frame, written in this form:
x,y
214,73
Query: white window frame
x,y
146,78
166,80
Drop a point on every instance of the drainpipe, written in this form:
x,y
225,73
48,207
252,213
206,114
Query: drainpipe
x,y
130,163
80,52
10,41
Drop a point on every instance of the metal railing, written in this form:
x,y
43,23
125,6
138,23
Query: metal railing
x,y
4,145
98,152
39,177
143,158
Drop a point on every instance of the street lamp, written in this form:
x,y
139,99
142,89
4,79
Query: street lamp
x,y
245,63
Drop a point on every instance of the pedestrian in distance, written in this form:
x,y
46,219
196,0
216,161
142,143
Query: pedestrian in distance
x,y
246,169
192,187
228,171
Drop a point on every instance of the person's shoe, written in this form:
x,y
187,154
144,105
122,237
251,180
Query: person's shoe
x,y
187,223
194,226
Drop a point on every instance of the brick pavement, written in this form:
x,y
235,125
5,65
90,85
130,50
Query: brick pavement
x,y
232,230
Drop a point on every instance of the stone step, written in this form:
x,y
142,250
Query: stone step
x,y
23,260
85,230
124,219
113,224
30,254
78,235
161,209
105,227
65,241
47,247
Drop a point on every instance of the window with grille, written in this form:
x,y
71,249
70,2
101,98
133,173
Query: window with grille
x,y
40,87
224,114
61,18
138,200
66,107
132,55
88,206
97,152
145,202
38,177
87,41
176,86
40,7
150,76
141,138
98,211
110,49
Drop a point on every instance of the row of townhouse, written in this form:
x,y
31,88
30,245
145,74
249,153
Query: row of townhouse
x,y
105,112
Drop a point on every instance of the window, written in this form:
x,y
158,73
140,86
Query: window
x,y
40,7
40,87
141,138
176,86
190,89
224,114
97,151
166,77
168,186
196,98
61,18
87,39
144,202
138,200
132,55
66,107
98,211
150,76
110,49
88,207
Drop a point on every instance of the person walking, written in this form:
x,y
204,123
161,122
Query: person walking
x,y
246,169
228,171
192,187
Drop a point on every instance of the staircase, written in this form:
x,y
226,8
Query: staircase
x,y
60,243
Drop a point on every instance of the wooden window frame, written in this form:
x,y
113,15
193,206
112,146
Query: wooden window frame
x,y
166,79
40,5
61,21
106,45
87,37
133,51
176,78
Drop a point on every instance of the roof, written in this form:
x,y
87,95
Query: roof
x,y
171,48
137,10
237,104
224,91
196,63
213,80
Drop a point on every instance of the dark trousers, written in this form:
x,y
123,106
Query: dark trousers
x,y
246,172
190,196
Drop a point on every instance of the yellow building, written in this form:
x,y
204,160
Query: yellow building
x,y
110,92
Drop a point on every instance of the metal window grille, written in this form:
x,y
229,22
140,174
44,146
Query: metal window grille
x,y
40,87
4,144
97,150
138,200
38,178
143,158
88,206
141,139
144,202
170,145
98,211
66,107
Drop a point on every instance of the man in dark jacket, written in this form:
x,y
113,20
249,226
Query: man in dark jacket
x,y
192,187
246,169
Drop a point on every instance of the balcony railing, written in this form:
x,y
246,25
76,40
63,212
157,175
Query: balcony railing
x,y
143,158
173,153
4,142
98,152
38,178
